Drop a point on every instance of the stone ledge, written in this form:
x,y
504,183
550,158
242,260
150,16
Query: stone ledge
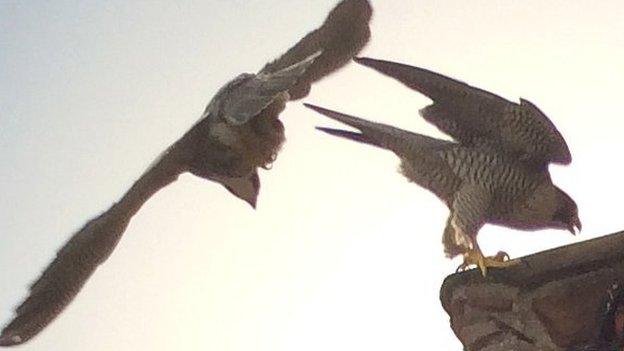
x,y
553,300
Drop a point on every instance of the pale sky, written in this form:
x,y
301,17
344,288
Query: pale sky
x,y
342,252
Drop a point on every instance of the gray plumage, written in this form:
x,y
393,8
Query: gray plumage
x,y
496,170
238,132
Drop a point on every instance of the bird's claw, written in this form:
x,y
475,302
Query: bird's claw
x,y
501,256
475,257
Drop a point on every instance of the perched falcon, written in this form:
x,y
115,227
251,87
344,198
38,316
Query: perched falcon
x,y
496,170
238,132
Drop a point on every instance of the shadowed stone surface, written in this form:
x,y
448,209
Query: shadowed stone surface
x,y
554,300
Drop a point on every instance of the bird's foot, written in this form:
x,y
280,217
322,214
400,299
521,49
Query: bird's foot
x,y
475,257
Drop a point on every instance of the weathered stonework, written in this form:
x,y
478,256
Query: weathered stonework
x,y
555,300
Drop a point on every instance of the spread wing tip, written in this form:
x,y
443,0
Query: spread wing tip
x,y
343,34
9,338
369,130
365,61
344,134
350,120
381,66
63,278
433,85
318,109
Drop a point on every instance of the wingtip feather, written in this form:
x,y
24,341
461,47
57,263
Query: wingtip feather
x,y
9,339
375,64
352,121
318,109
327,112
363,60
359,137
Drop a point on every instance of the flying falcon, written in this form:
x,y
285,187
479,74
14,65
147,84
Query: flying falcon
x,y
238,132
496,170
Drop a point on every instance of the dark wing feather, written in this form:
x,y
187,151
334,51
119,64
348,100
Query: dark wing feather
x,y
398,140
64,277
343,34
76,261
477,117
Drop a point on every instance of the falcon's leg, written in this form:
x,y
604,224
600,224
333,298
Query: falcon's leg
x,y
469,212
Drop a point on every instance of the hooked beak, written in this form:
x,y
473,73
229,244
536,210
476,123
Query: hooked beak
x,y
252,202
245,188
575,226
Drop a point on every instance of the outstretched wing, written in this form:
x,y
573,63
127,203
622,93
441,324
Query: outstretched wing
x,y
420,155
76,261
343,34
382,135
475,117
64,277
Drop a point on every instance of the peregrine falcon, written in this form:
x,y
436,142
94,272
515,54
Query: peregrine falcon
x,y
496,170
238,132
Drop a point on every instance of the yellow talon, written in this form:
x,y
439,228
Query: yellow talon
x,y
475,257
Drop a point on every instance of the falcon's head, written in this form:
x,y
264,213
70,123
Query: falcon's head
x,y
245,188
566,214
547,207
